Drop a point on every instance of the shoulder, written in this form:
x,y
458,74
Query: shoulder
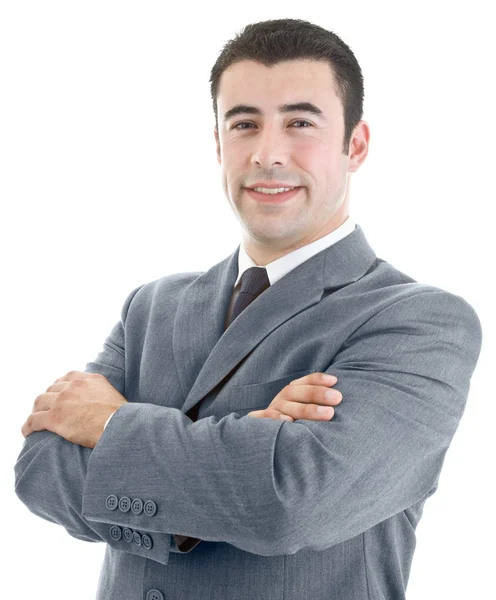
x,y
407,295
392,303
166,289
424,319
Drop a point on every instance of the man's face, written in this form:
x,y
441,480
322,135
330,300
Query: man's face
x,y
297,148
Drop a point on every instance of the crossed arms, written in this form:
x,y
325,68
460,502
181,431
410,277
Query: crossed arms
x,y
265,486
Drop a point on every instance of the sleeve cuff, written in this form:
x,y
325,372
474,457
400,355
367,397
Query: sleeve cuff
x,y
109,419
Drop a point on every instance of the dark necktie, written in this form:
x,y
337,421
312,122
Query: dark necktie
x,y
253,282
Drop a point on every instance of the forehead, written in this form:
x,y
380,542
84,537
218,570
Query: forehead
x,y
249,82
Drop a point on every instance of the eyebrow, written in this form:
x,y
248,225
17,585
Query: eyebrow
x,y
284,108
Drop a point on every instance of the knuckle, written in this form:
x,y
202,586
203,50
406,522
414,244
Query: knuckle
x,y
308,411
77,383
61,397
265,414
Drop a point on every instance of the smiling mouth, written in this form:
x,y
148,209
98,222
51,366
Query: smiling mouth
x,y
278,198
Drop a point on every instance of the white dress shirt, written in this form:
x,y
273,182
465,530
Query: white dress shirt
x,y
283,265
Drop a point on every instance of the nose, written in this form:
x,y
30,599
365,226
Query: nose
x,y
270,149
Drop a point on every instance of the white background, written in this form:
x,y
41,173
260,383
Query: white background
x,y
109,179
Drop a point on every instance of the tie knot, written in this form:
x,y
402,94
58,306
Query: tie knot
x,y
254,281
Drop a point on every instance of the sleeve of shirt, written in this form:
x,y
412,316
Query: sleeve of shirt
x,y
106,422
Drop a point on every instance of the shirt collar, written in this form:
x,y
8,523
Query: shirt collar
x,y
281,266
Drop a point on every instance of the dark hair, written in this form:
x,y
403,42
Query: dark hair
x,y
277,40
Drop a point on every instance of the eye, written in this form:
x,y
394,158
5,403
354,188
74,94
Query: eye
x,y
237,126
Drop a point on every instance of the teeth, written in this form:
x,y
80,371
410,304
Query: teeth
x,y
273,191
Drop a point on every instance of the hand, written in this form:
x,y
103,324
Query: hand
x,y
76,407
301,398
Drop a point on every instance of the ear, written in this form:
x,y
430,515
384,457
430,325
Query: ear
x,y
359,144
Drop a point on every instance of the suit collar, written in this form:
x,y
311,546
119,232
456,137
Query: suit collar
x,y
283,265
205,355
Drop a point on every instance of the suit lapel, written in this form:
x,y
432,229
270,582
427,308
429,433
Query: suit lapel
x,y
205,354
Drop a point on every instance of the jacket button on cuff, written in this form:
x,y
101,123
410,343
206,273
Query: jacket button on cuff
x,y
127,534
111,502
124,504
137,506
147,541
137,538
150,508
155,595
115,532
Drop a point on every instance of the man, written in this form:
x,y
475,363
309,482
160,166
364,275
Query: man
x,y
151,449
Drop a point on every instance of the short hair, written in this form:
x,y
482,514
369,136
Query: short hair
x,y
277,40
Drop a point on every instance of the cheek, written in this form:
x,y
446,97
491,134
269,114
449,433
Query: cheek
x,y
313,155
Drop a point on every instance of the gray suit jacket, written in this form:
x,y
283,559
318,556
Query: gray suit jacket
x,y
285,510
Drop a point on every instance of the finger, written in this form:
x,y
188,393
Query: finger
x,y
58,387
316,379
269,413
36,422
44,401
277,414
293,411
310,412
316,394
256,413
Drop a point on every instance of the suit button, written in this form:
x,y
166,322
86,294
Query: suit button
x,y
150,508
127,534
147,541
124,504
155,595
111,502
137,506
137,538
115,532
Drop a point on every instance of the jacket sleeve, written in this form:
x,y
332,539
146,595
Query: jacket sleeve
x,y
50,471
272,487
